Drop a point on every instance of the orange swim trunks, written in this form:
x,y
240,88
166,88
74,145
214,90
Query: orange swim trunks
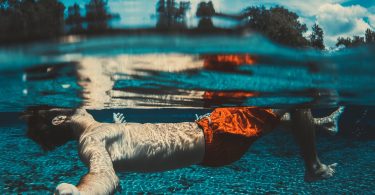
x,y
229,132
225,62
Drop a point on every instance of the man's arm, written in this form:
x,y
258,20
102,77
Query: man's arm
x,y
303,129
101,178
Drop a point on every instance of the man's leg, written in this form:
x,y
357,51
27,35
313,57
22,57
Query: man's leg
x,y
303,129
280,112
328,124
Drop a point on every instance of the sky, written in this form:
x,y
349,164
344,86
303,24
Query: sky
x,y
336,17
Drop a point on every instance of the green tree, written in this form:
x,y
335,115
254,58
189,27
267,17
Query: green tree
x,y
172,15
97,16
205,9
31,19
160,6
370,36
341,41
206,24
183,8
74,19
358,40
317,37
276,23
47,17
350,42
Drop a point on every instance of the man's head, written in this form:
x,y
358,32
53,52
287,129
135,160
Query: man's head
x,y
49,127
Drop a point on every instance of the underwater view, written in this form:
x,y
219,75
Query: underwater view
x,y
187,97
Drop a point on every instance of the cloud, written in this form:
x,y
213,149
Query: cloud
x,y
337,20
336,17
371,19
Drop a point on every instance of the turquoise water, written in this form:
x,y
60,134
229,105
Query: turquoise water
x,y
272,165
162,79
52,72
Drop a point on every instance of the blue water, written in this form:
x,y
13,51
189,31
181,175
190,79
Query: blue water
x,y
283,76
115,74
272,165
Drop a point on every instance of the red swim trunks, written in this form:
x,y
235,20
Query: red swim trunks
x,y
229,132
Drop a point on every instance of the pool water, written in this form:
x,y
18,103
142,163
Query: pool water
x,y
164,79
272,165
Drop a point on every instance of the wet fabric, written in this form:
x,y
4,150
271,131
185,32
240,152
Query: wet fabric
x,y
212,95
225,62
229,132
211,98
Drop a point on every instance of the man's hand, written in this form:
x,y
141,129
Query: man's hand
x,y
66,189
119,118
321,172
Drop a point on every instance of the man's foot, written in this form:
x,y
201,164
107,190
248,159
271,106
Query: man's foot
x,y
321,172
330,123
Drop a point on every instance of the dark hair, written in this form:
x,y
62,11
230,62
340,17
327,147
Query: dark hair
x,y
41,130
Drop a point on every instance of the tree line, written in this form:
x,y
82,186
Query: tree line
x,y
36,19
357,40
277,23
97,17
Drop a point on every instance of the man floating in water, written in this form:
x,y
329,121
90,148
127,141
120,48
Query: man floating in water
x,y
215,139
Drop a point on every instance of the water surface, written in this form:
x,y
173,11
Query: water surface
x,y
170,79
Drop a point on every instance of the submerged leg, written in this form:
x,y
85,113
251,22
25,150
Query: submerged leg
x,y
280,113
328,123
303,129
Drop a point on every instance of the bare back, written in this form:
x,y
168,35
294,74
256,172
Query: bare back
x,y
146,147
